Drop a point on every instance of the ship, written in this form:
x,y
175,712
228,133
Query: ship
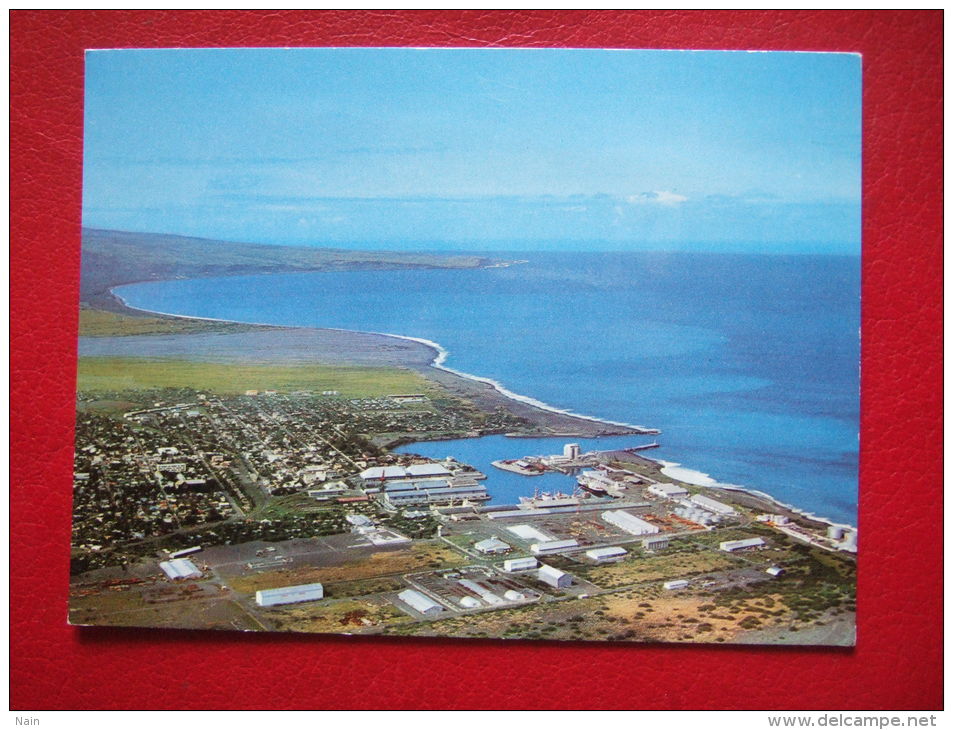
x,y
541,500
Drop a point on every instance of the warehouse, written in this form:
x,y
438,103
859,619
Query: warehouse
x,y
528,532
427,470
180,569
492,546
606,554
554,577
376,473
668,491
629,522
730,546
674,585
553,546
419,602
517,564
290,594
713,505
482,592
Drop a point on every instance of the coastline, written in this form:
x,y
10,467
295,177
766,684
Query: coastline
x,y
489,393
700,479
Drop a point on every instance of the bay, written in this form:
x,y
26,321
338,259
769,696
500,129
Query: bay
x,y
748,363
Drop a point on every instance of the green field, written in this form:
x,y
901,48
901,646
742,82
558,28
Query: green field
x,y
121,373
99,323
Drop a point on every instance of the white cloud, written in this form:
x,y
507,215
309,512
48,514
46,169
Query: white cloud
x,y
659,197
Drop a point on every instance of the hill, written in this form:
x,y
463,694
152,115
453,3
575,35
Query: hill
x,y
111,258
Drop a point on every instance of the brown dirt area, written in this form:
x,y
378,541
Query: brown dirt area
x,y
416,558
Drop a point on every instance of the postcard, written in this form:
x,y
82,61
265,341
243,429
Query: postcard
x,y
527,344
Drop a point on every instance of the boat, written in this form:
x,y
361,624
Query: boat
x,y
548,499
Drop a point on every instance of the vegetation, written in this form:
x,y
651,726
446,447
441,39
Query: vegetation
x,y
101,323
97,374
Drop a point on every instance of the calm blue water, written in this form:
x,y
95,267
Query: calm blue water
x,y
749,364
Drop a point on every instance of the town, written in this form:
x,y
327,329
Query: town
x,y
272,510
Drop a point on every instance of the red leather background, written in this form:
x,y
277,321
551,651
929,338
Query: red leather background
x,y
898,661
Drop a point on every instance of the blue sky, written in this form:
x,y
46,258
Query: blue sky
x,y
478,149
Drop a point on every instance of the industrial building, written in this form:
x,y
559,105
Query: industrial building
x,y
850,542
730,546
836,532
674,585
553,546
668,491
382,473
629,522
492,546
554,577
487,595
692,512
713,505
405,492
528,532
517,564
606,554
656,542
414,471
291,594
419,602
427,470
180,569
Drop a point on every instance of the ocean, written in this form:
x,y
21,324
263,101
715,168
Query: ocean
x,y
749,364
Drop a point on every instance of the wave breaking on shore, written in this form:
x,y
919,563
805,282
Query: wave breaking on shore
x,y
700,479
671,469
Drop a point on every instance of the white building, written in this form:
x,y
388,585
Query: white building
x,y
383,472
528,532
629,522
485,594
668,491
713,505
571,451
606,554
359,520
517,564
554,577
419,602
492,546
775,571
850,542
291,594
427,470
180,569
553,546
730,546
674,585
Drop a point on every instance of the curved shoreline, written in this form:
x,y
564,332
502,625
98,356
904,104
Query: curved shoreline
x,y
440,356
700,479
